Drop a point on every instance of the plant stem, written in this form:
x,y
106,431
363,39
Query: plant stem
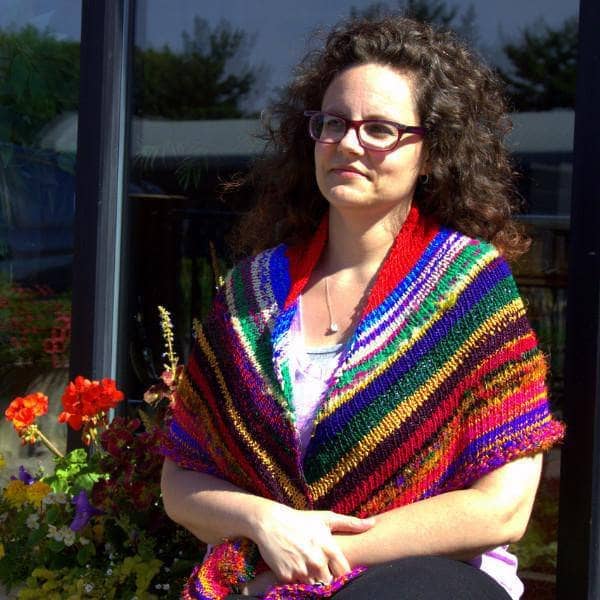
x,y
50,445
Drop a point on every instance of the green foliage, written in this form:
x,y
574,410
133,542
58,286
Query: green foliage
x,y
206,80
543,66
39,79
75,472
127,548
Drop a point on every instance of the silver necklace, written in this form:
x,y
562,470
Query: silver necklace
x,y
333,326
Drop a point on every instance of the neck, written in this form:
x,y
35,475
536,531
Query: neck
x,y
361,242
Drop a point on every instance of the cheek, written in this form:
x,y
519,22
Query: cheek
x,y
319,167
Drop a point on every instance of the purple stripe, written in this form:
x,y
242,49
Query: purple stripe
x,y
428,345
471,453
385,313
263,414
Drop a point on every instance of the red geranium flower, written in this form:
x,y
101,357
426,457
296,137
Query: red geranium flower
x,y
22,412
84,399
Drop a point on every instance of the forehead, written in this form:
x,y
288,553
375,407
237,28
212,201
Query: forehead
x,y
370,90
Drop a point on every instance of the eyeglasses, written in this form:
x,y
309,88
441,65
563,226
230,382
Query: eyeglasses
x,y
374,134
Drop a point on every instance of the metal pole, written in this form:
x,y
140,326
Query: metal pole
x,y
578,571
101,181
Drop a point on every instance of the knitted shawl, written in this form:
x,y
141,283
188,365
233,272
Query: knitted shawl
x,y
441,382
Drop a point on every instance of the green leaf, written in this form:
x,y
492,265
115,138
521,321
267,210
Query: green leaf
x,y
85,553
55,546
36,536
53,515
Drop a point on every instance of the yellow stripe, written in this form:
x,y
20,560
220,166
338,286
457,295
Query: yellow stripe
x,y
297,497
404,409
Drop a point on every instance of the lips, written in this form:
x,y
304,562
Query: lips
x,y
348,171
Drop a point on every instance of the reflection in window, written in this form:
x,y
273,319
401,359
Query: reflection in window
x,y
39,90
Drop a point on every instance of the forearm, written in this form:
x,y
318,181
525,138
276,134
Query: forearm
x,y
453,524
210,508
459,524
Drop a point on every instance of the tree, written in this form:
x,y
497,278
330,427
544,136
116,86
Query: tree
x,y
39,79
543,67
208,79
436,12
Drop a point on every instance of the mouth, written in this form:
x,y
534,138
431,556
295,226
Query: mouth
x,y
347,171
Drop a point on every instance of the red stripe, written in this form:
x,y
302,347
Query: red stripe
x,y
415,235
223,428
441,413
408,247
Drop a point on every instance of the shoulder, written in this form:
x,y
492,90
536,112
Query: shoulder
x,y
474,277
474,256
260,280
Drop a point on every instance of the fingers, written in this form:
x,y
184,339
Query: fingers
x,y
346,524
338,563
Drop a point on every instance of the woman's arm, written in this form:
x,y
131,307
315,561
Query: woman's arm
x,y
460,524
297,545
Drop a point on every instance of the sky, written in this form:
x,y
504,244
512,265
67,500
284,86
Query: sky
x,y
280,28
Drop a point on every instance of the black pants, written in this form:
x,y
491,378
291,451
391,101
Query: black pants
x,y
420,578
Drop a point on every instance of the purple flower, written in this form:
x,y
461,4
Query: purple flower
x,y
84,511
24,476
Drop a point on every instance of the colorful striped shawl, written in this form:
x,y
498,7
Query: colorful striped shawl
x,y
441,382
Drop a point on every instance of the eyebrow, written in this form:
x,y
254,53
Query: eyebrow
x,y
370,117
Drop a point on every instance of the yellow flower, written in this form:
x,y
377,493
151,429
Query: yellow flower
x,y
36,492
2,551
2,461
16,493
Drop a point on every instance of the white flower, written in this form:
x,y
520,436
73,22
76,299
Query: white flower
x,y
33,521
54,533
54,498
68,536
84,541
166,586
109,571
167,570
88,588
64,535
158,586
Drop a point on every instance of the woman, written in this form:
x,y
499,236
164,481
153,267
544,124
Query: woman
x,y
364,410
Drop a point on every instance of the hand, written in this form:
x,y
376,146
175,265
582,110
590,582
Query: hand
x,y
298,546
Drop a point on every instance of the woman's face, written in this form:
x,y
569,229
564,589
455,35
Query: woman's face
x,y
350,176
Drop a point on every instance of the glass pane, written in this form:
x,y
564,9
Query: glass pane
x,y
203,74
39,83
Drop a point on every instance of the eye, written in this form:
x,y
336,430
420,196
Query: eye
x,y
333,124
379,130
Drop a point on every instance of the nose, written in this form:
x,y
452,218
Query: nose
x,y
350,141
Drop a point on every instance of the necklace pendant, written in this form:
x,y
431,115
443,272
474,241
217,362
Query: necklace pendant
x,y
333,327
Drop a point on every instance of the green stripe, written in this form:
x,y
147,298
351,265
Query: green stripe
x,y
259,342
427,308
332,451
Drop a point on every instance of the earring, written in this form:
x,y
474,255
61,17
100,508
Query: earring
x,y
424,179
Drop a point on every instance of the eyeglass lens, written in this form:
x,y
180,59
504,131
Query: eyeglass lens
x,y
331,129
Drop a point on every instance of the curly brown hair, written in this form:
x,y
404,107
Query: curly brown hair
x,y
460,103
